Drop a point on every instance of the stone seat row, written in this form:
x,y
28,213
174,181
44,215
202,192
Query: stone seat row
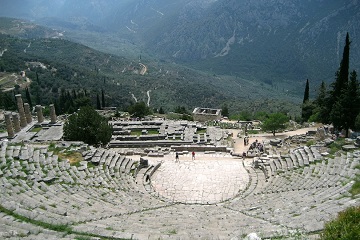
x,y
295,208
74,192
51,204
326,173
298,157
11,228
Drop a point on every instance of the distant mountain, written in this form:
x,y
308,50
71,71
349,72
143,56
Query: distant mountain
x,y
52,64
268,40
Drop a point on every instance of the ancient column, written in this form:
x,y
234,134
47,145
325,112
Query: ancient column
x,y
20,106
39,113
9,125
16,122
52,114
27,113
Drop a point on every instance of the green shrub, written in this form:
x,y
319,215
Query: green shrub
x,y
336,146
345,227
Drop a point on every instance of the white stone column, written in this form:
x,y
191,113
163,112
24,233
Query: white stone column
x,y
20,106
39,113
27,113
9,125
16,122
53,118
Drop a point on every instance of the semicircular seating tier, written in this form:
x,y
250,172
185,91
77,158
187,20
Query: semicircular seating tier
x,y
43,196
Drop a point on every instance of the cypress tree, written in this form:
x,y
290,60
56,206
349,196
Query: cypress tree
x,y
337,103
351,102
28,97
103,98
322,105
161,110
306,93
344,69
307,106
98,104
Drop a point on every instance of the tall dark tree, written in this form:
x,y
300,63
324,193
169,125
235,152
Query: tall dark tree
x,y
28,97
351,103
306,92
339,87
98,104
225,111
338,97
343,75
307,106
161,110
321,102
102,98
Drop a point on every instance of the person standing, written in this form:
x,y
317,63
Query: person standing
x,y
193,155
176,157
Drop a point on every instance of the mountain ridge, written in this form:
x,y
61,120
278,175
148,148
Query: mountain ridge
x,y
71,66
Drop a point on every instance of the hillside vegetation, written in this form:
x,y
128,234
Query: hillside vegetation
x,y
280,43
52,64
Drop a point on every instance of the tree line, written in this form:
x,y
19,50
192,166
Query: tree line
x,y
338,103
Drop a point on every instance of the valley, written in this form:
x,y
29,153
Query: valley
x,y
182,119
238,53
73,66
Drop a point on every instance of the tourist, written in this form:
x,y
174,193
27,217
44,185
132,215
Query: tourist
x,y
193,155
177,157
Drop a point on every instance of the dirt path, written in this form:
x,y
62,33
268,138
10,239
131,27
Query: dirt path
x,y
239,142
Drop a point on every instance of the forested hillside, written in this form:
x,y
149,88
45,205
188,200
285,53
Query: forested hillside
x,y
273,41
55,66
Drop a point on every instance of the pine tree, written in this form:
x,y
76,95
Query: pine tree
x,y
88,126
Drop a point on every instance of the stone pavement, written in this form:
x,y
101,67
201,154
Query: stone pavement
x,y
211,178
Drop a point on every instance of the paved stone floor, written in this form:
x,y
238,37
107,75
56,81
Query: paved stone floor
x,y
209,179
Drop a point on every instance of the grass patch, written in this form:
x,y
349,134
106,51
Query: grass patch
x,y
200,130
36,129
66,229
138,132
336,146
355,188
310,143
74,157
253,131
90,165
54,227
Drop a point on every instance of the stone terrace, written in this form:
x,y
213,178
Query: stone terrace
x,y
103,195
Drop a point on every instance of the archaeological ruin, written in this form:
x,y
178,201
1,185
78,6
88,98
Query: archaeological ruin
x,y
167,179
206,114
